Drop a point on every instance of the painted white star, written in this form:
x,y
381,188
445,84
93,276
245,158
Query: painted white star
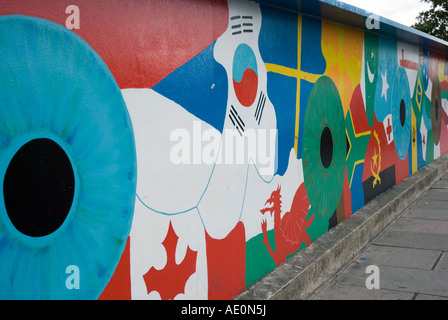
x,y
385,86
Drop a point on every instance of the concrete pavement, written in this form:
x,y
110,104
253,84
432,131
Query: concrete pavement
x,y
404,232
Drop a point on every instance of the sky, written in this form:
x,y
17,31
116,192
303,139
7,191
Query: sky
x,y
401,11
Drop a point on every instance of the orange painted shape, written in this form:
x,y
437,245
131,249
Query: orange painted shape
x,y
171,280
226,267
119,287
246,90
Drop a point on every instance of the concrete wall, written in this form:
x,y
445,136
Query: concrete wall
x,y
184,149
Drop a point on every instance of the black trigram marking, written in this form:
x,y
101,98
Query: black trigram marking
x,y
241,24
237,121
260,107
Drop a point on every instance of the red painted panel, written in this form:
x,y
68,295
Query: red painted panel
x,y
119,287
140,41
226,261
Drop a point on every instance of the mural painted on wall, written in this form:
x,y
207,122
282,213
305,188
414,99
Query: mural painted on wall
x,y
91,120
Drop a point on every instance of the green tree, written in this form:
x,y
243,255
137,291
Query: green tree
x,y
435,20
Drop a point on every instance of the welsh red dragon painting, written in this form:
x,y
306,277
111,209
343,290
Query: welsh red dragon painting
x,y
290,228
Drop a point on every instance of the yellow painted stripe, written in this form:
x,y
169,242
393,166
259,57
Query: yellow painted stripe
x,y
286,71
353,172
299,62
293,73
310,77
414,145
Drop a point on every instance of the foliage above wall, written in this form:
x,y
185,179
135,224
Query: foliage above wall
x,y
435,20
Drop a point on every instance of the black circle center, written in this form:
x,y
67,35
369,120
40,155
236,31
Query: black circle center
x,y
436,111
326,147
402,113
39,188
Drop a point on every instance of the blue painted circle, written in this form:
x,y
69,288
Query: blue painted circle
x,y
401,123
244,59
53,85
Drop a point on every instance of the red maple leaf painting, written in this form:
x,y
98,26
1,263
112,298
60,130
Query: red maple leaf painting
x,y
171,280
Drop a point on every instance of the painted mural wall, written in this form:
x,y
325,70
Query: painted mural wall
x,y
185,149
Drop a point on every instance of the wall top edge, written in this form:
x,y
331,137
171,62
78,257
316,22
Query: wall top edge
x,y
339,12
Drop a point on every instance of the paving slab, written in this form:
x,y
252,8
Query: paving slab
x,y
442,263
414,280
422,296
431,204
339,292
398,279
436,194
413,240
441,184
420,226
433,210
399,257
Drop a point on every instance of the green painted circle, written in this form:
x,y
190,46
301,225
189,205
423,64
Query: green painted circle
x,y
324,184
